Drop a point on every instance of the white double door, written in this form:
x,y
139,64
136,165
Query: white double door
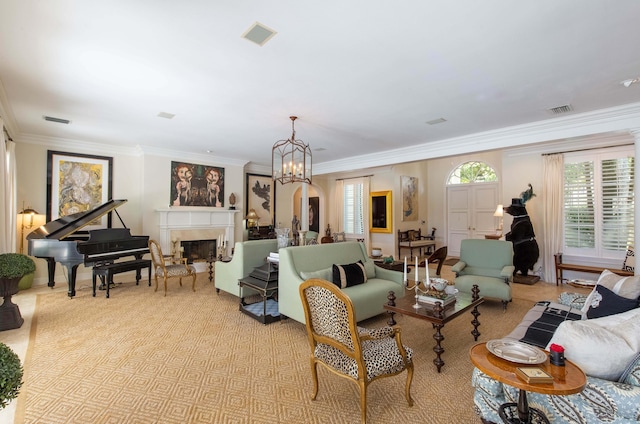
x,y
470,213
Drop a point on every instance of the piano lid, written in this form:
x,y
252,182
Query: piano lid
x,y
67,225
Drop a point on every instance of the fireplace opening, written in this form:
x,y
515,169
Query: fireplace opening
x,y
198,250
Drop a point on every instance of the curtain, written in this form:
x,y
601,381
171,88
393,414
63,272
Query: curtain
x,y
8,195
339,204
552,198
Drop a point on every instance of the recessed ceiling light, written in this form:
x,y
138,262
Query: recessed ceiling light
x,y
56,120
436,121
320,149
166,115
259,34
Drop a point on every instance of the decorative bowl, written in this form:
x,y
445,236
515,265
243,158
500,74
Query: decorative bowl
x,y
439,284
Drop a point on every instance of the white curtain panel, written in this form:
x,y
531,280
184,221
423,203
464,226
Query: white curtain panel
x,y
552,199
8,186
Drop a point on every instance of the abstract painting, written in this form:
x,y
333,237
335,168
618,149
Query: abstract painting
x,y
196,185
261,197
409,198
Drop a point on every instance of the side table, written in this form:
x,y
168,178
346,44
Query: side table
x,y
264,280
567,380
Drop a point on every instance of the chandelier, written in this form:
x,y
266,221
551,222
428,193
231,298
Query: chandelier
x,y
291,159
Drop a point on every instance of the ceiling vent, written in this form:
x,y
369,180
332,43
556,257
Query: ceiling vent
x,y
259,34
166,115
436,121
56,120
560,109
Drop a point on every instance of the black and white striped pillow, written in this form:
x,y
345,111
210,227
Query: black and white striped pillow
x,y
349,275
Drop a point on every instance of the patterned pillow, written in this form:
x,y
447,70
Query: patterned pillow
x,y
604,302
349,275
629,263
628,287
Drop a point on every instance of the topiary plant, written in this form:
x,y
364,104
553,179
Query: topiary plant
x,y
10,375
15,265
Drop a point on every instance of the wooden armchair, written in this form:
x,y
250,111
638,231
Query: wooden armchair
x,y
348,350
169,271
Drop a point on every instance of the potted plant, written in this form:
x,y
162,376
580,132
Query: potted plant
x,y
13,266
10,375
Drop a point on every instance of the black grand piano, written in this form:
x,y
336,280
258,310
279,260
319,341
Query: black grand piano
x,y
60,241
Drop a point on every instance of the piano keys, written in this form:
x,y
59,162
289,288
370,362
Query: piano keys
x,y
59,241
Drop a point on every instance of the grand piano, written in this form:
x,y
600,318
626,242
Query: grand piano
x,y
61,241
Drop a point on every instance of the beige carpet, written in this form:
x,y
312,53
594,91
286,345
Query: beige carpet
x,y
140,357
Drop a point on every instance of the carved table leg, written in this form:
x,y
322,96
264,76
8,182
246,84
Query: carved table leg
x,y
392,302
475,296
438,337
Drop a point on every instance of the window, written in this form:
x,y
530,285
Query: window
x,y
472,172
353,211
599,203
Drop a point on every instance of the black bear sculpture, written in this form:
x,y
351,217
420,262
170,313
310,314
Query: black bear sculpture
x,y
525,246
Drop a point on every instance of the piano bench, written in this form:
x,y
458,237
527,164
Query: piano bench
x,y
106,272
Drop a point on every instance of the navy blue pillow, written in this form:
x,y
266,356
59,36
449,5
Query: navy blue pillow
x,y
349,275
607,303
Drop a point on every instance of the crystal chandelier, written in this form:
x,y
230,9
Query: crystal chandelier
x,y
291,159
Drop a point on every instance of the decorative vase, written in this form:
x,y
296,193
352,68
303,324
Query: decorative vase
x,y
283,237
10,317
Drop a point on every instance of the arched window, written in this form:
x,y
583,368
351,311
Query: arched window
x,y
472,172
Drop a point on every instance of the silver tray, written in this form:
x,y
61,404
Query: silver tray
x,y
515,351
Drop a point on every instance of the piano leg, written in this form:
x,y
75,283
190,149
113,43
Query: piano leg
x,y
71,272
51,267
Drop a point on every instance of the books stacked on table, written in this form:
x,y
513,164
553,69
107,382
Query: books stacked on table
x,y
274,257
433,296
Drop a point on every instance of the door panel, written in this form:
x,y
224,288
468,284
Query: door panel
x,y
470,213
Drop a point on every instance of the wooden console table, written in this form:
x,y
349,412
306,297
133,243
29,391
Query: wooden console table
x,y
561,266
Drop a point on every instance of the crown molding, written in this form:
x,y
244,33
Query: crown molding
x,y
78,145
569,129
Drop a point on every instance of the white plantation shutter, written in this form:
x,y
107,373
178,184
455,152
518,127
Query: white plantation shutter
x,y
354,209
599,203
579,210
617,203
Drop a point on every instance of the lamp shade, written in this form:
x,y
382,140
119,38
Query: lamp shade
x,y
252,215
499,211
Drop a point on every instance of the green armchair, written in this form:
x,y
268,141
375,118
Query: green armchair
x,y
487,263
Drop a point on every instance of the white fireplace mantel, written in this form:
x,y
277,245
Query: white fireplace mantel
x,y
195,223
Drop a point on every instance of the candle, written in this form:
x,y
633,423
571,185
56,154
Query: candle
x,y
404,275
426,267
417,270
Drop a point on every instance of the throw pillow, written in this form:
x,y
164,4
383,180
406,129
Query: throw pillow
x,y
631,374
629,263
604,302
370,267
628,287
323,274
349,275
602,347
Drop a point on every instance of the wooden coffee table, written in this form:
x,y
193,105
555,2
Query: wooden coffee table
x,y
437,315
568,380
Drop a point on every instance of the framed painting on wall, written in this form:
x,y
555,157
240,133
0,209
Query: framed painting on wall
x,y
196,185
409,198
78,183
261,197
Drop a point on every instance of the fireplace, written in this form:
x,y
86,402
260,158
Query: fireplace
x,y
198,250
182,224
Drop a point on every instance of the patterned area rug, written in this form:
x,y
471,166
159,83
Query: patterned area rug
x,y
140,357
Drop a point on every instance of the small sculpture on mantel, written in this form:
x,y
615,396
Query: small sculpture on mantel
x,y
232,201
295,228
327,232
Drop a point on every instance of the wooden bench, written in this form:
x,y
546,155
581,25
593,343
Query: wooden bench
x,y
560,266
107,271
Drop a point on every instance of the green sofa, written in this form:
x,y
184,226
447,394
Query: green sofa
x,y
316,261
487,263
246,256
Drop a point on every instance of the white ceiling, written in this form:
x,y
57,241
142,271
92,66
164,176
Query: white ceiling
x,y
362,76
